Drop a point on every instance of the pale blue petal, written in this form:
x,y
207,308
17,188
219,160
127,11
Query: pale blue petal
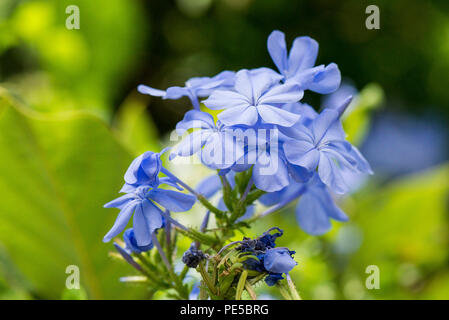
x,y
278,116
121,221
209,186
270,172
327,124
222,99
150,91
120,202
141,227
244,114
302,55
195,119
128,188
172,200
192,143
278,50
284,93
270,72
311,215
301,153
176,93
326,81
132,171
330,174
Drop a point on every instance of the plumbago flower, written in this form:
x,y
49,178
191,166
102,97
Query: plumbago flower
x,y
315,208
216,144
268,258
255,95
195,88
298,65
143,200
265,145
321,146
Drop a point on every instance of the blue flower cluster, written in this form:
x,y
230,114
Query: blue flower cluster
x,y
274,261
292,150
146,201
252,120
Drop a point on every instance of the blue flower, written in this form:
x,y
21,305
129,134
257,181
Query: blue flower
x,y
322,146
144,170
195,87
217,145
131,243
148,217
298,65
315,207
279,260
255,95
270,171
273,278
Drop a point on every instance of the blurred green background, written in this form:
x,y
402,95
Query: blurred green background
x,y
71,120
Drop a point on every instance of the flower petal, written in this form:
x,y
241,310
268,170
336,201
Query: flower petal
x,y
244,114
209,186
302,55
121,221
195,119
302,153
278,50
191,144
172,200
176,93
326,81
330,174
222,99
274,115
270,172
120,202
283,93
150,91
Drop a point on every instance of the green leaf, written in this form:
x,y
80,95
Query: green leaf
x,y
55,175
135,127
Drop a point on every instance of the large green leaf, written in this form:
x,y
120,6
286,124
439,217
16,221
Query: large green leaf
x,y
55,175
405,233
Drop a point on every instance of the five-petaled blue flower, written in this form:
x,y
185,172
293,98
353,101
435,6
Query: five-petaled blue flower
x,y
217,145
197,87
148,217
255,95
321,146
298,66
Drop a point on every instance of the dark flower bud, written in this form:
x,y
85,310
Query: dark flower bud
x,y
273,278
193,257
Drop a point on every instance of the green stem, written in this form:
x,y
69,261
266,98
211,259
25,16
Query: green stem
x,y
177,283
209,206
207,280
241,285
293,291
284,290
